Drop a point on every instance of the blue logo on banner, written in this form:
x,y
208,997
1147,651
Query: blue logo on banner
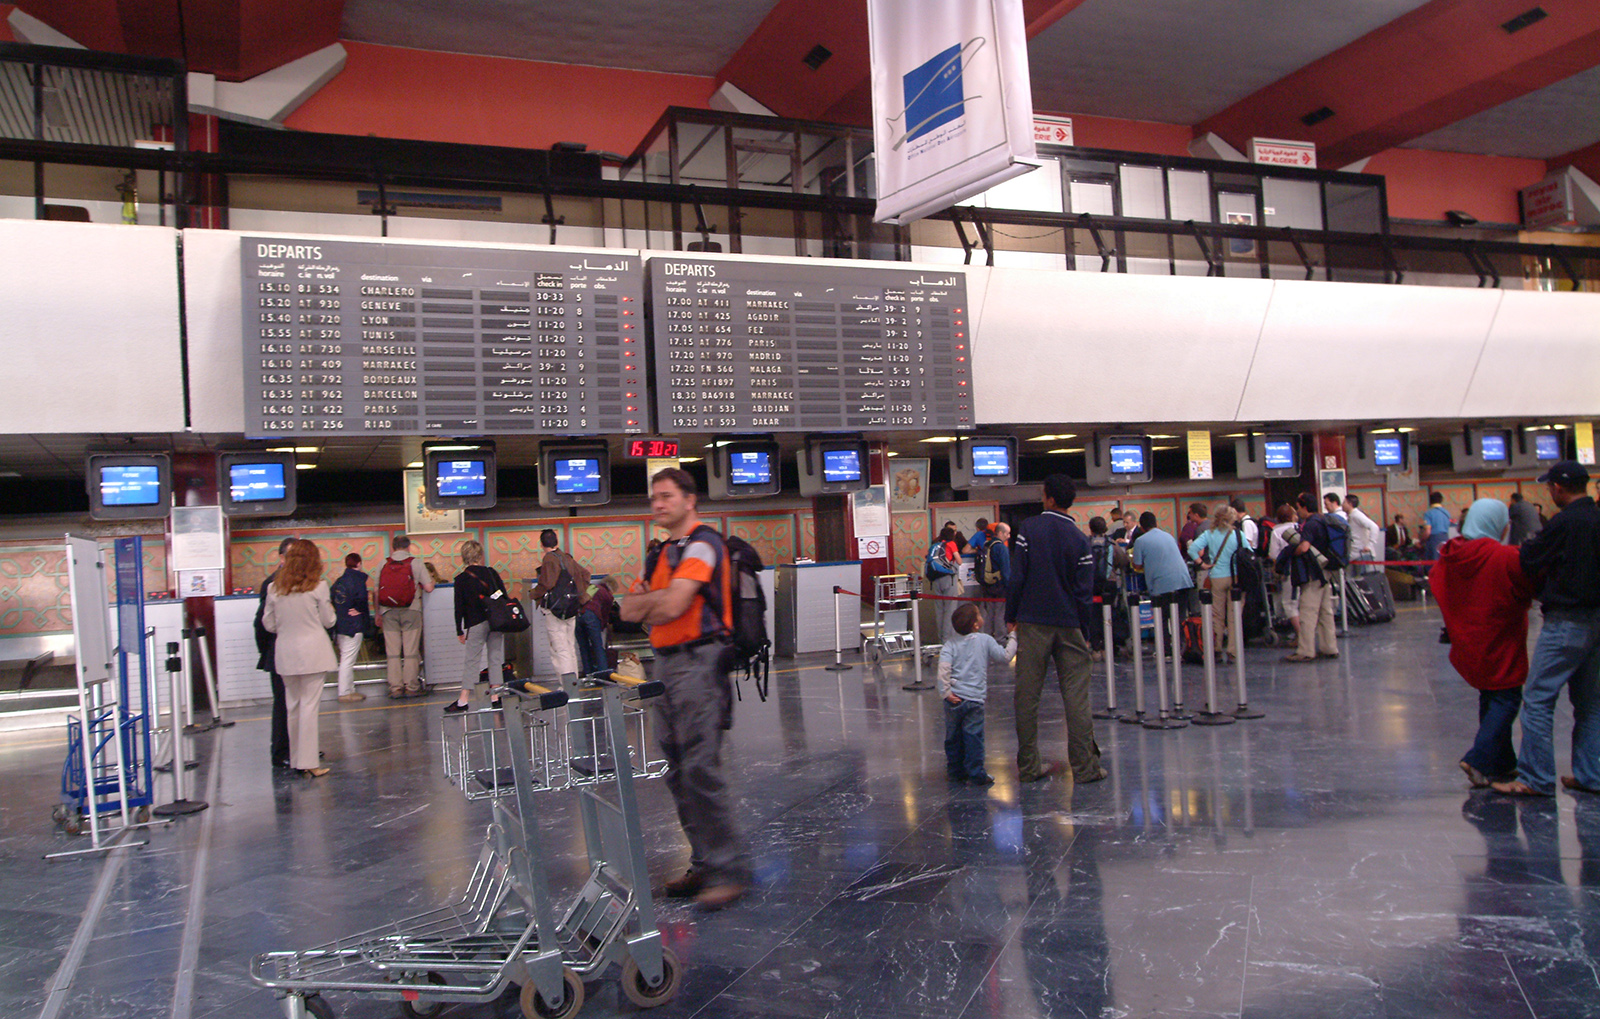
x,y
933,93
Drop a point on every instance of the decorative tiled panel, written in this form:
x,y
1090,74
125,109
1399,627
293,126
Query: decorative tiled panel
x,y
1166,511
514,552
35,595
1456,498
443,551
1411,504
1085,509
615,549
808,535
771,536
253,558
911,540
1496,490
334,547
963,514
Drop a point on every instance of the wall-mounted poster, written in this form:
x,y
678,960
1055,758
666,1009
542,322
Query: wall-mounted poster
x,y
422,520
908,485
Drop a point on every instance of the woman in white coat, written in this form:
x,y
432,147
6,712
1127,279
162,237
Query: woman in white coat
x,y
299,611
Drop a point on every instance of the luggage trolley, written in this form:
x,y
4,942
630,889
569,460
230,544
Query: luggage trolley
x,y
505,928
891,593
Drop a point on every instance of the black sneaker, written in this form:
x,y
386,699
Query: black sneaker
x,y
984,779
455,708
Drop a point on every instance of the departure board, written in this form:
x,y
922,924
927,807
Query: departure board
x,y
756,346
347,338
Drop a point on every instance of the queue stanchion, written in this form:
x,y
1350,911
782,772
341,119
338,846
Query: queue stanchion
x,y
1243,710
1137,717
1163,719
177,681
1344,607
1178,710
1110,654
1208,640
838,634
916,646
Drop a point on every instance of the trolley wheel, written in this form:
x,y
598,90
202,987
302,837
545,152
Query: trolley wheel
x,y
533,1006
318,1006
641,993
141,815
73,824
420,1009
872,654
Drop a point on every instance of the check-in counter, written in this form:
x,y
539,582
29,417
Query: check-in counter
x,y
805,609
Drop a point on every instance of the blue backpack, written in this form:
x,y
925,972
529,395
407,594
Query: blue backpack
x,y
939,564
1338,551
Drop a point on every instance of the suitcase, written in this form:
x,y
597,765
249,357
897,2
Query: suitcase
x,y
1375,591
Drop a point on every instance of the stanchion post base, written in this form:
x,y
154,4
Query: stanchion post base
x,y
198,727
1245,711
1109,714
166,768
1213,718
1132,718
1164,723
179,807
917,686
1181,712
838,667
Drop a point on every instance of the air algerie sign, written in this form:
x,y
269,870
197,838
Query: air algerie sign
x,y
1278,152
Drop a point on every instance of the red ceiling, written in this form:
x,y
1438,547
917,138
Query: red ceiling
x,y
1440,63
232,39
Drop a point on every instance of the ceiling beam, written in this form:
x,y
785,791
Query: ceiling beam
x,y
1427,69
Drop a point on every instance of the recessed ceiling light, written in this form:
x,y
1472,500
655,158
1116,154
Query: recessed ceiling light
x,y
1053,438
1381,431
1163,436
1558,427
1065,449
452,449
1404,430
891,453
938,438
689,459
413,464
1163,447
305,467
1237,435
294,449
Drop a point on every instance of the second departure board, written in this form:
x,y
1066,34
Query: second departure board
x,y
757,346
354,338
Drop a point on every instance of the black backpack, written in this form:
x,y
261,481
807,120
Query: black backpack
x,y
749,600
563,599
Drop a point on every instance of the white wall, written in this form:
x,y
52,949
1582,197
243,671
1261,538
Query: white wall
x,y
89,328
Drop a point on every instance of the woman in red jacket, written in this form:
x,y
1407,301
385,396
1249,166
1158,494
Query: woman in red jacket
x,y
1484,599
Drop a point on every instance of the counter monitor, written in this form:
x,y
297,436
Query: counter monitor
x,y
461,478
1546,446
577,475
983,461
1127,459
991,461
841,465
460,475
1388,451
1279,455
1495,447
752,467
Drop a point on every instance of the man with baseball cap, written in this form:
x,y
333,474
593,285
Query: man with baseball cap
x,y
1563,562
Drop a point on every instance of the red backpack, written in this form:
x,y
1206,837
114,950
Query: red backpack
x,y
397,587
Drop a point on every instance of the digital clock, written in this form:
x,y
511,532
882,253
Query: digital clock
x,y
659,448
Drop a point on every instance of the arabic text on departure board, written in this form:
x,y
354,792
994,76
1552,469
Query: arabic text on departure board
x,y
345,337
782,347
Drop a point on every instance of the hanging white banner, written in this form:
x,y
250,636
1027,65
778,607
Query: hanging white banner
x,y
952,110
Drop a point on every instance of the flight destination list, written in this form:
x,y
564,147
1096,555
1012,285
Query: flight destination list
x,y
345,337
782,347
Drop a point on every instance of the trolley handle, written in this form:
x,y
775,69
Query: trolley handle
x,y
643,689
546,697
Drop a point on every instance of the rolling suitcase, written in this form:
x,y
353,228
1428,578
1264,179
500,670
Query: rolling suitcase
x,y
1375,591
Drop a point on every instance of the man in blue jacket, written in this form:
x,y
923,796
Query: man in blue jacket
x,y
1049,602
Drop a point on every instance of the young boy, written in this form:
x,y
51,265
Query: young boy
x,y
964,681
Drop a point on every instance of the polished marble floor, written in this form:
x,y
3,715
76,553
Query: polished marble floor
x,y
1326,860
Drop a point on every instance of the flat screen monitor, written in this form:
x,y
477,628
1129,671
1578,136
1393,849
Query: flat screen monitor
x,y
1127,458
577,475
1388,451
129,486
257,482
991,461
832,465
458,479
841,465
1494,448
1546,446
460,476
1278,455
750,467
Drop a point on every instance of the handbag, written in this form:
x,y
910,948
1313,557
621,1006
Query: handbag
x,y
506,614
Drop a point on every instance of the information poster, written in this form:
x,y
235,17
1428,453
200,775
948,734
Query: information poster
x,y
1200,456
197,542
